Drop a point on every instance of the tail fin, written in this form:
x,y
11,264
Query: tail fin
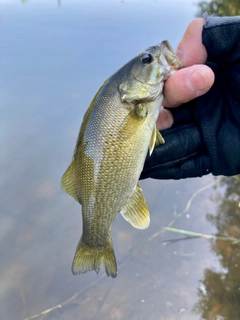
x,y
89,258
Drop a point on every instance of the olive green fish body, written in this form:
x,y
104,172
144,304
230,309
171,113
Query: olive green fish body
x,y
117,131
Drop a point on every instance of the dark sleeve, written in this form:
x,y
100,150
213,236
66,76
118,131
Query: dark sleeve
x,y
218,111
221,37
205,137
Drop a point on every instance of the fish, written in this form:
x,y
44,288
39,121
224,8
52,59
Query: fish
x,y
117,132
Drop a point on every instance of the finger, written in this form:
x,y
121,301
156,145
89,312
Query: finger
x,y
187,84
165,119
190,49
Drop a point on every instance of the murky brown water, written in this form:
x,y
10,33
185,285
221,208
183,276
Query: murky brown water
x,y
53,58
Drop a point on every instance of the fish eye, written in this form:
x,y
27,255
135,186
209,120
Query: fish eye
x,y
146,58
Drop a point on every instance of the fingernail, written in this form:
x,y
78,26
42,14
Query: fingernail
x,y
197,80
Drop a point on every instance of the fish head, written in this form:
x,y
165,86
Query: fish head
x,y
148,72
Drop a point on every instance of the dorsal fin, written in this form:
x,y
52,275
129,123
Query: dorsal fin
x,y
67,181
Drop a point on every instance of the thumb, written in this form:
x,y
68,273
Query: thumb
x,y
190,49
187,84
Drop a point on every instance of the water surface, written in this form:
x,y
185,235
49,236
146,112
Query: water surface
x,y
54,57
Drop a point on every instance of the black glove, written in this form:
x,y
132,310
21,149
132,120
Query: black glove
x,y
205,137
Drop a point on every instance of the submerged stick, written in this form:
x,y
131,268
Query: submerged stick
x,y
202,235
189,203
77,294
212,184
63,304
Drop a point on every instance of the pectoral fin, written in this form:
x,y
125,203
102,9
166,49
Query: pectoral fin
x,y
67,181
136,211
156,140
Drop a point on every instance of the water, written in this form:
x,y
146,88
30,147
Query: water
x,y
54,57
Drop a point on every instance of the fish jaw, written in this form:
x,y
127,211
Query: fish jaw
x,y
168,59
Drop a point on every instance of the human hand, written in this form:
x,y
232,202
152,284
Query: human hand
x,y
203,133
193,80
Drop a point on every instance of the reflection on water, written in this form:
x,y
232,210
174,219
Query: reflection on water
x,y
219,7
53,60
219,294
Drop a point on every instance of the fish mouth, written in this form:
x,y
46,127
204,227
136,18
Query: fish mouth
x,y
168,59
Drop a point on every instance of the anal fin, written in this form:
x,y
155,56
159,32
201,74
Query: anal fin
x,y
136,211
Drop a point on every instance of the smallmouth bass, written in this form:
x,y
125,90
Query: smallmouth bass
x,y
117,132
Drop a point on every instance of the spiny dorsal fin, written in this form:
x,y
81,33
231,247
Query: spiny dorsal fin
x,y
67,181
156,140
136,211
